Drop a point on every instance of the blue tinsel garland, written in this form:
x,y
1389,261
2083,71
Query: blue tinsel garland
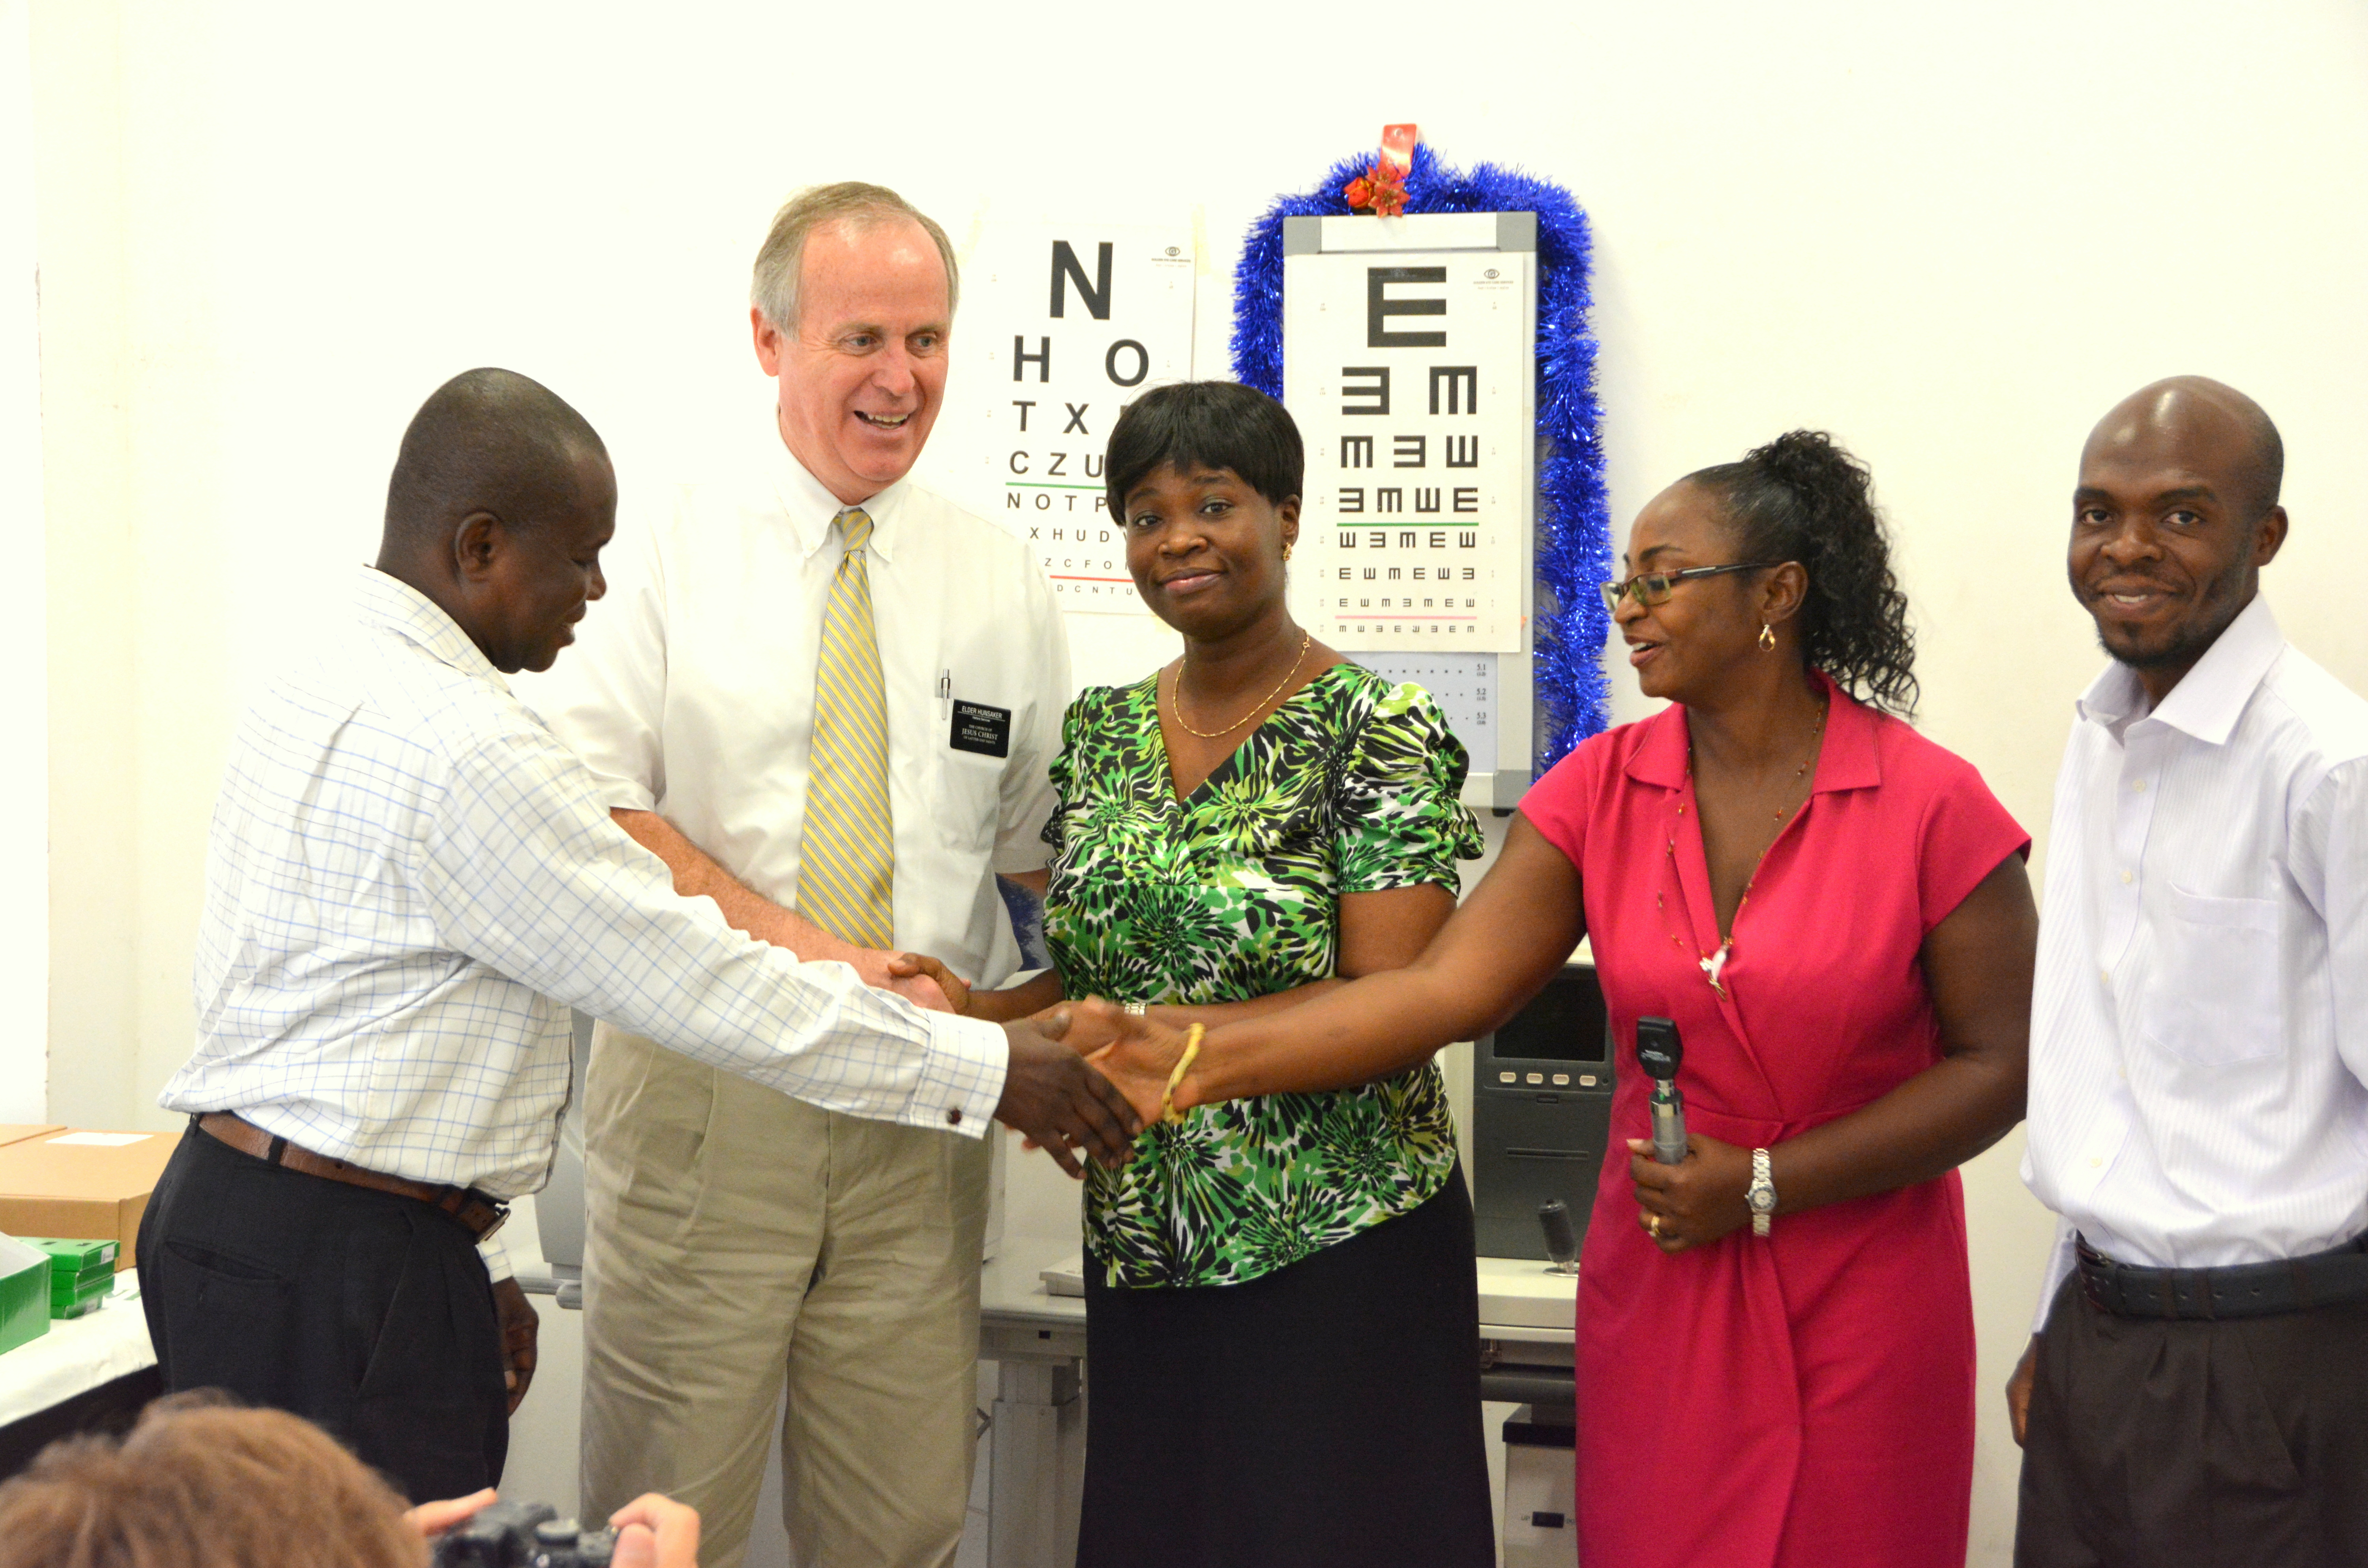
x,y
1574,525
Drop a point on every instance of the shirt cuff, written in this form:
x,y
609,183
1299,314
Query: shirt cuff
x,y
961,1078
497,1258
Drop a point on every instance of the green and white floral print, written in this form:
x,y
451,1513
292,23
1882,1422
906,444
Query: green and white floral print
x,y
1234,892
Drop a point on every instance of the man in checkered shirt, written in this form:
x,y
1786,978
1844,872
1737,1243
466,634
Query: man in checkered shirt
x,y
410,881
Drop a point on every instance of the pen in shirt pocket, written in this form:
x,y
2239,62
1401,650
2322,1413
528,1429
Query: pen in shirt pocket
x,y
945,694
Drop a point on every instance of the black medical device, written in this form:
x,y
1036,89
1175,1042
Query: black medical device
x,y
1658,1052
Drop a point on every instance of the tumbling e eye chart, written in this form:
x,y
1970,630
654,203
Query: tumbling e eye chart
x,y
1409,365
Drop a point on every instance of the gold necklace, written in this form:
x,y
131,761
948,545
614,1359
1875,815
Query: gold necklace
x,y
1175,696
1711,966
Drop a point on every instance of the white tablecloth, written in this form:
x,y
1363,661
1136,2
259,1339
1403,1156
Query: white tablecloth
x,y
77,1354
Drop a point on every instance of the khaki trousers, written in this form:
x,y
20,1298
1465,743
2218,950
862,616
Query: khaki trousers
x,y
740,1242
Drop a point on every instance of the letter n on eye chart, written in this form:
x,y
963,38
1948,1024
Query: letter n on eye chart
x,y
1062,326
1411,374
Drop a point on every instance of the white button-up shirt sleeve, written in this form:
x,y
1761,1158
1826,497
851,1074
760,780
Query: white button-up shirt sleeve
x,y
523,870
2330,867
404,869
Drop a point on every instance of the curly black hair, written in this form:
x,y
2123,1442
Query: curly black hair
x,y
1802,497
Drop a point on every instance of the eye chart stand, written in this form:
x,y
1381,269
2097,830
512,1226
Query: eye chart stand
x,y
1409,363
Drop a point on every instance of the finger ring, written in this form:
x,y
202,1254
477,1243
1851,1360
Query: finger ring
x,y
1137,1009
1653,1223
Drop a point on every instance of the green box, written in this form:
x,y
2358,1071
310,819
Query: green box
x,y
24,1293
71,1259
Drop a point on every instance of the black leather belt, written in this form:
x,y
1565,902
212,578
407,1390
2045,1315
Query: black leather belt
x,y
2239,1291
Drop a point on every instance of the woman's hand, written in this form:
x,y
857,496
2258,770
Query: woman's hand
x,y
1694,1202
1084,1027
1139,1057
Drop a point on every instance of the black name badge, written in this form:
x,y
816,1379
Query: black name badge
x,y
981,729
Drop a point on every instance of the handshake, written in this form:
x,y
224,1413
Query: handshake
x,y
1085,1077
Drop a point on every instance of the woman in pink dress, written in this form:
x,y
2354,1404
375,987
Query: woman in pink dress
x,y
1835,913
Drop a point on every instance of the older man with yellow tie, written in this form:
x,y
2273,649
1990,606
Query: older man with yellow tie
x,y
826,697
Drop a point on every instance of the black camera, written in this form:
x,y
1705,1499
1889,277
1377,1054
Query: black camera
x,y
523,1535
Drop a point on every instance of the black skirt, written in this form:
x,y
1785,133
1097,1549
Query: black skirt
x,y
1328,1412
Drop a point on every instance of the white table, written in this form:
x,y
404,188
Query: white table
x,y
77,1355
1037,1340
75,1358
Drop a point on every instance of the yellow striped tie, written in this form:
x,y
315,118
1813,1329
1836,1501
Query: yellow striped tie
x,y
847,860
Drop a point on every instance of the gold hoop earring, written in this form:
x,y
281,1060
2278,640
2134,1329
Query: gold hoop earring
x,y
1766,638
1286,550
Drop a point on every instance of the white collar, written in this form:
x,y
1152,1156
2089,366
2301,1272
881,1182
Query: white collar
x,y
811,508
2210,698
387,601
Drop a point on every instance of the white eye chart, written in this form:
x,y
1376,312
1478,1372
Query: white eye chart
x,y
1409,363
1412,376
1061,326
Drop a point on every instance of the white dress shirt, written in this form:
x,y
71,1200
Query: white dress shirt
x,y
691,691
408,875
2199,1032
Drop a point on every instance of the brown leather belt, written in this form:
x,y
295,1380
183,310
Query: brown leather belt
x,y
480,1214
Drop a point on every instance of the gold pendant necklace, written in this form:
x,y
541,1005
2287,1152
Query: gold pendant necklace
x,y
1175,696
1715,964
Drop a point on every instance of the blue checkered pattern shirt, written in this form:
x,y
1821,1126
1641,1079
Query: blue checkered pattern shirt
x,y
410,881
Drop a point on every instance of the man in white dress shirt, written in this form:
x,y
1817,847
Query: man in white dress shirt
x,y
742,1244
408,879
2196,1390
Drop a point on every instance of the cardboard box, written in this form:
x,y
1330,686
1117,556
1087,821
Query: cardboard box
x,y
82,1183
18,1131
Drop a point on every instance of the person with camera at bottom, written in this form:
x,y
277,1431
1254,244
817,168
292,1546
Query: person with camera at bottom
x,y
203,1484
410,880
2195,1393
1775,1337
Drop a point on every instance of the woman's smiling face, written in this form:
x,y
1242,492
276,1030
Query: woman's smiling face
x,y
1684,646
1205,548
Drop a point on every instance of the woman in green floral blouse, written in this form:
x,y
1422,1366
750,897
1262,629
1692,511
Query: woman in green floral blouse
x,y
1281,1315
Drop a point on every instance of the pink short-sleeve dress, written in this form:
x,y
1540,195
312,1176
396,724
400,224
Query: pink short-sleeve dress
x,y
1804,1400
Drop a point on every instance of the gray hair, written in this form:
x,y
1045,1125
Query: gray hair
x,y
774,288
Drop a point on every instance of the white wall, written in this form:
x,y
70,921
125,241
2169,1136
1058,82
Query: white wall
x,y
24,700
1953,236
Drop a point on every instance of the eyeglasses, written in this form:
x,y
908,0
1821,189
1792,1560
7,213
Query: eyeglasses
x,y
1652,588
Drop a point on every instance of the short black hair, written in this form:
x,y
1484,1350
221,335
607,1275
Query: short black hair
x,y
1205,425
487,439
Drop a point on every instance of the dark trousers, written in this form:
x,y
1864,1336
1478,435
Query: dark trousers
x,y
367,1314
2156,1443
1325,1415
